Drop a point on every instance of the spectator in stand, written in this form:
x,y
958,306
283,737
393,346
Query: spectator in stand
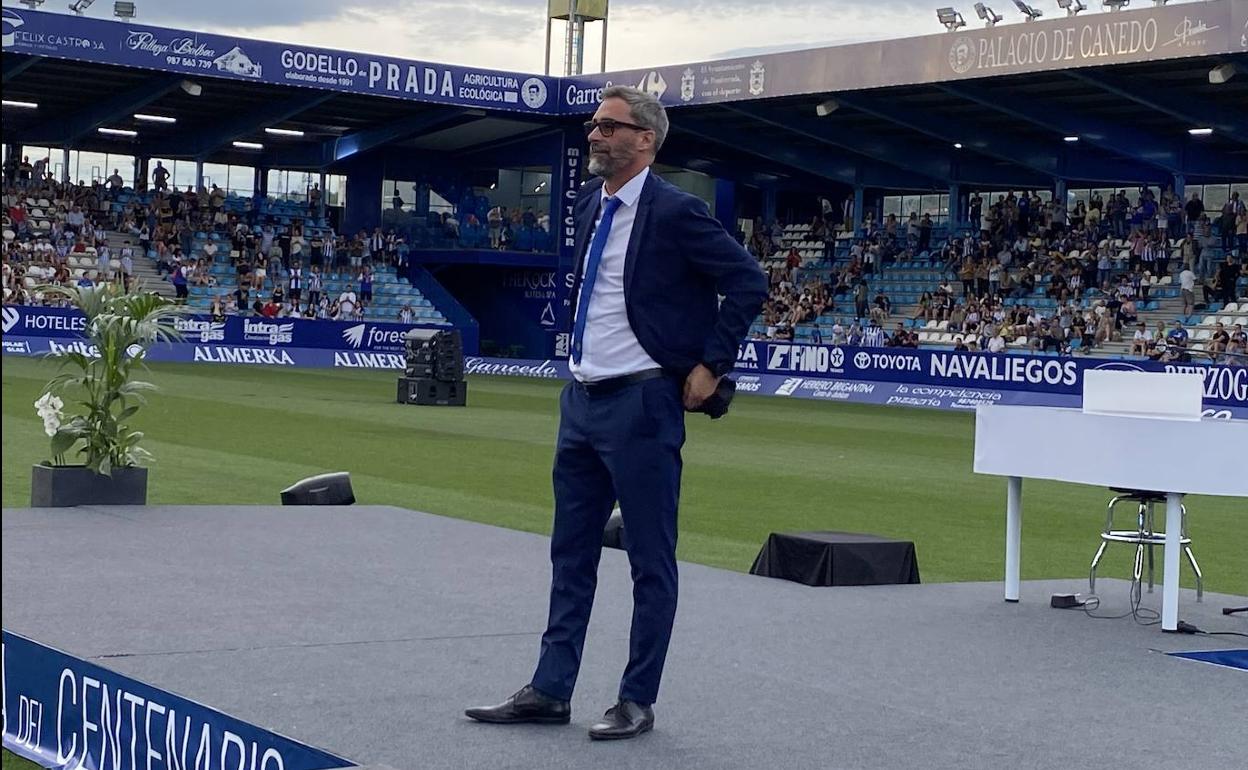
x,y
366,287
873,336
1238,345
1187,289
1228,277
178,279
1140,340
1194,210
160,177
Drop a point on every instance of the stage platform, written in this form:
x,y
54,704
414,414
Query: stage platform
x,y
365,631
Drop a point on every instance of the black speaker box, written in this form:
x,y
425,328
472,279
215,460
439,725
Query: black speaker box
x,y
326,489
432,392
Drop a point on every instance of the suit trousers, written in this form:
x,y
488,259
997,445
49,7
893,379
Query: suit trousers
x,y
623,445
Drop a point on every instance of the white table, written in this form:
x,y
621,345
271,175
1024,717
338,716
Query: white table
x,y
1172,456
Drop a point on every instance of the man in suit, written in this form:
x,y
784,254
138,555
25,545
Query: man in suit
x,y
650,340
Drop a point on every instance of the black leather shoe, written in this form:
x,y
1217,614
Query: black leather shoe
x,y
528,705
625,719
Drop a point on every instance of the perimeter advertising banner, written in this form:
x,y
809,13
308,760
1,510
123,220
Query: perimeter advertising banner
x,y
928,378
362,336
196,53
63,712
1087,40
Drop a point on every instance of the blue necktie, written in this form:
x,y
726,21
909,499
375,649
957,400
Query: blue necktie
x,y
596,247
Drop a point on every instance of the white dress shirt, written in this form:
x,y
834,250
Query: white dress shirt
x,y
610,348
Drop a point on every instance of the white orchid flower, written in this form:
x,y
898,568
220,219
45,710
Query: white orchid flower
x,y
51,424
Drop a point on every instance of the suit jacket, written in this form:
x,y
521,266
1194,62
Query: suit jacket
x,y
679,262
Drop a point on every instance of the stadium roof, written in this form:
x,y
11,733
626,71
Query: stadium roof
x,y
1128,85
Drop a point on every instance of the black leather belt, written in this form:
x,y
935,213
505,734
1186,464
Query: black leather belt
x,y
612,384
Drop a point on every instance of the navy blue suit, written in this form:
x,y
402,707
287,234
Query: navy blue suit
x,y
625,444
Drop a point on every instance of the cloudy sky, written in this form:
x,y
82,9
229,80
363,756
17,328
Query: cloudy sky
x,y
510,34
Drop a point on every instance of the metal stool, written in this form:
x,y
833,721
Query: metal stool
x,y
1144,536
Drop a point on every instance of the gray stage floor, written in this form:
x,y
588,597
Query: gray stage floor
x,y
367,630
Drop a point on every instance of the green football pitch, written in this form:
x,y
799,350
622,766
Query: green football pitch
x,y
238,435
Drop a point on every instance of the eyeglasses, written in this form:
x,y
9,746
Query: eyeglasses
x,y
607,127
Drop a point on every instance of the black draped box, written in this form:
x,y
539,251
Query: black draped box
x,y
837,559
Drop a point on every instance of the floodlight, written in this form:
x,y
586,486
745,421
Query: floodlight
x,y
21,105
824,109
990,17
192,88
1115,5
32,4
123,10
248,145
78,6
1200,131
1072,6
283,131
1222,73
1029,13
950,18
154,118
118,132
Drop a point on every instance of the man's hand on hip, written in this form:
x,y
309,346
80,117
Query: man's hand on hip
x,y
699,386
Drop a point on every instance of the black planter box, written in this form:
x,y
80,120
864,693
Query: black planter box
x,y
66,485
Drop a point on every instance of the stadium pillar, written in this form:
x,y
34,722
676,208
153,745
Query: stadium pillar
x,y
64,164
1180,186
364,181
566,173
769,205
199,175
860,201
955,208
320,204
726,204
1059,194
140,173
259,190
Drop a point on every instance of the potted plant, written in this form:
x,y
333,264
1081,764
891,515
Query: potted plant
x,y
121,326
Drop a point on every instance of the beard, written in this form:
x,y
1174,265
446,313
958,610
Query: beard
x,y
605,162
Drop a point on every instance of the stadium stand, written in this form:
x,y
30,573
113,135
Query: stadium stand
x,y
56,234
1036,280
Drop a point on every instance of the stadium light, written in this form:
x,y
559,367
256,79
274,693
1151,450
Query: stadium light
x,y
1029,13
990,17
1222,73
1160,3
78,6
32,4
154,118
20,105
1200,131
957,145
1115,5
283,132
950,18
118,132
191,87
1070,139
123,10
1072,7
826,108
248,145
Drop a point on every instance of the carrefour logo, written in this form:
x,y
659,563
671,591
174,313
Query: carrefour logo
x,y
11,316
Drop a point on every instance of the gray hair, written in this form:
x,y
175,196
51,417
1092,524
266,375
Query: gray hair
x,y
645,108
